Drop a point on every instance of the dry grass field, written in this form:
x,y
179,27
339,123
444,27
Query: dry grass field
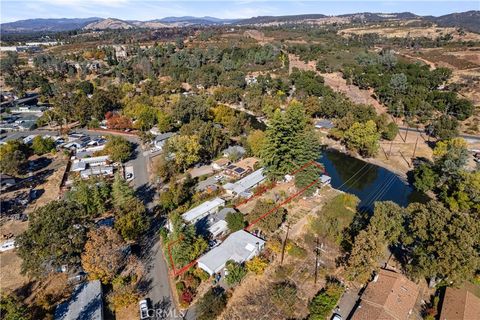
x,y
412,32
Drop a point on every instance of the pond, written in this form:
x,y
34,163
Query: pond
x,y
367,181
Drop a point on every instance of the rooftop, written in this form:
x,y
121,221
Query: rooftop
x,y
389,296
84,304
239,246
246,183
199,211
461,304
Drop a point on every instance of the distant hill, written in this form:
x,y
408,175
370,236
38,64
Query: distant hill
x,y
469,20
33,25
109,23
280,19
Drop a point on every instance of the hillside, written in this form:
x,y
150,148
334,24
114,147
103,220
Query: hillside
x,y
34,25
109,23
468,20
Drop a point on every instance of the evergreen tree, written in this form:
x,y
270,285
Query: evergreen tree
x,y
289,142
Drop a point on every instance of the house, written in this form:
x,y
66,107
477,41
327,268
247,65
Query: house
x,y
86,303
203,210
220,164
96,171
6,181
240,246
324,124
244,185
161,139
460,304
217,223
234,151
389,295
236,171
210,184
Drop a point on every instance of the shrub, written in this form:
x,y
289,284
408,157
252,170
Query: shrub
x,y
323,303
257,265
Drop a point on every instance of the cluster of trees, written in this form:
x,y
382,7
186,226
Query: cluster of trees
x,y
57,233
448,178
431,241
325,301
407,89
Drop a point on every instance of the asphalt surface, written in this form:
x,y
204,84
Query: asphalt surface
x,y
157,279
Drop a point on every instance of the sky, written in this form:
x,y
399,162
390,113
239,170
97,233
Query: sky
x,y
13,10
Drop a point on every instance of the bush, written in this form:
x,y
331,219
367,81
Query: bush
x,y
296,251
211,305
257,265
236,272
323,303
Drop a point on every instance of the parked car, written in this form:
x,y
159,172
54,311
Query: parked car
x,y
336,316
143,309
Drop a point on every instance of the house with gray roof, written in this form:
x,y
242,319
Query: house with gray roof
x,y
243,186
86,303
240,247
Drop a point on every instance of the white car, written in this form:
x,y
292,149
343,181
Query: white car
x,y
336,316
143,309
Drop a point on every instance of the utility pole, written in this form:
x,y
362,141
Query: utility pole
x,y
285,243
415,149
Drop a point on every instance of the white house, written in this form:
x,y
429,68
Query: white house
x,y
203,210
7,245
97,171
245,184
240,246
217,224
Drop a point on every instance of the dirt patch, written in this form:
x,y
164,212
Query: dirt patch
x,y
127,313
295,62
258,35
354,93
10,277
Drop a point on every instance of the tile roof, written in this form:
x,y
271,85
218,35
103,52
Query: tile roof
x,y
390,296
460,304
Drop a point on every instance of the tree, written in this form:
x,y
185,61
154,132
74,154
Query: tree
x,y
256,142
42,145
86,87
211,305
441,244
92,194
425,177
289,142
235,221
104,254
186,150
118,148
11,308
323,303
13,157
270,222
123,294
131,220
55,236
122,193
236,272
399,83
390,131
363,137
445,127
257,265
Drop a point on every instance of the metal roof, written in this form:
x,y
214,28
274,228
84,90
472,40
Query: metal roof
x,y
84,304
246,183
240,246
202,210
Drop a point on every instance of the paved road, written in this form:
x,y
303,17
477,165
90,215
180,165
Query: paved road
x,y
468,137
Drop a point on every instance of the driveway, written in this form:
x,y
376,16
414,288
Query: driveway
x,y
347,302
